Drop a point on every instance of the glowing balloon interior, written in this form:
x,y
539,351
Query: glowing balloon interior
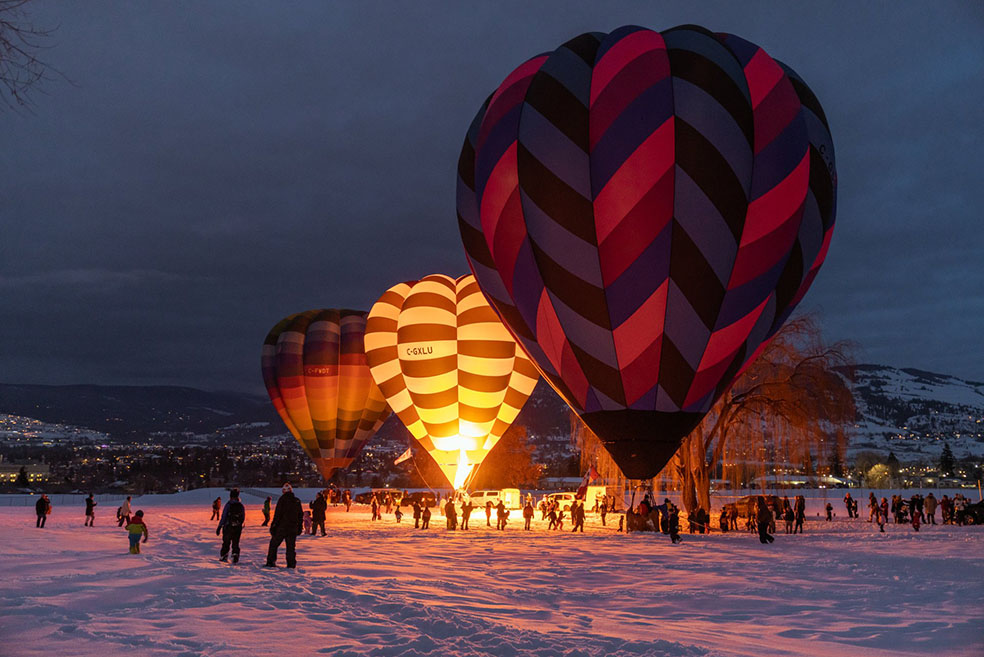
x,y
644,210
315,371
449,369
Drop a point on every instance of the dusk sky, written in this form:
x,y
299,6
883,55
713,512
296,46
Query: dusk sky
x,y
213,167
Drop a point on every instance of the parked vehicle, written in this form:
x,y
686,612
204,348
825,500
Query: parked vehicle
x,y
509,496
366,498
424,498
972,515
564,499
747,505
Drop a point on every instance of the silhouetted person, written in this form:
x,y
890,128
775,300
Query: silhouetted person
x,y
43,508
90,510
216,508
451,514
501,515
764,518
231,526
466,510
528,514
285,528
266,511
318,509
425,517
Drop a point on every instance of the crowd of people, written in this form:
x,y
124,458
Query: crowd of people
x,y
288,520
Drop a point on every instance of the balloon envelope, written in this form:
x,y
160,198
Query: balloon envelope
x,y
449,369
644,210
314,368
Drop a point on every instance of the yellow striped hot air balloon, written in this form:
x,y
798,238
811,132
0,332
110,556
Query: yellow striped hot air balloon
x,y
448,368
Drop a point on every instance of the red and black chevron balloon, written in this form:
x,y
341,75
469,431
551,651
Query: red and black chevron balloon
x,y
644,210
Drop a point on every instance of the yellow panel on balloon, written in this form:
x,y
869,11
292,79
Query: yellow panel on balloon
x,y
448,368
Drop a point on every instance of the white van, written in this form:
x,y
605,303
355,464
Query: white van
x,y
509,496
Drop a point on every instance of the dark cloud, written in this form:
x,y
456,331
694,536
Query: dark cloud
x,y
217,166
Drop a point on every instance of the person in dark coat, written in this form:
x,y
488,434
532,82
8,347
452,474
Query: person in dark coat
x,y
425,517
216,508
266,511
43,508
673,523
318,509
90,510
800,513
488,513
416,514
501,515
451,514
466,510
285,528
528,512
577,516
231,526
763,516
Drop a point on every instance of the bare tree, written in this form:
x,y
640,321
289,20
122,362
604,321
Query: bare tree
x,y
21,42
789,410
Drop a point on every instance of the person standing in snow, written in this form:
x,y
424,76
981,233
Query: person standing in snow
x,y
285,528
849,505
466,509
347,499
488,513
416,514
764,518
231,526
135,528
872,507
425,517
577,516
451,514
125,511
43,508
930,506
528,514
501,515
90,510
319,509
800,514
216,508
830,511
672,523
266,511
917,516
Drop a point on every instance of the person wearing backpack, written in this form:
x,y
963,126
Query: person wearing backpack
x,y
231,526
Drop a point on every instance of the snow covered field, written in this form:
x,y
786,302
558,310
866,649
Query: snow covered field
x,y
387,590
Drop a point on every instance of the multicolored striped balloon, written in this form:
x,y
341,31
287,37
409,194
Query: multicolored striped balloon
x,y
644,210
449,369
315,371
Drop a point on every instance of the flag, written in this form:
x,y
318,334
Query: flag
x,y
589,476
403,457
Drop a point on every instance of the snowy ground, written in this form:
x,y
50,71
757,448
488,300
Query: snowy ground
x,y
386,590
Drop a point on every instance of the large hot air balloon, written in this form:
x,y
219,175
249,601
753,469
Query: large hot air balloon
x,y
448,368
644,210
315,371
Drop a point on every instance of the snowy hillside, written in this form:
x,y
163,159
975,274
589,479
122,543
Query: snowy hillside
x,y
913,413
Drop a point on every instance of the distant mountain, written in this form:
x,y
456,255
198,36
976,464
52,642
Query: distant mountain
x,y
913,413
128,411
910,412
